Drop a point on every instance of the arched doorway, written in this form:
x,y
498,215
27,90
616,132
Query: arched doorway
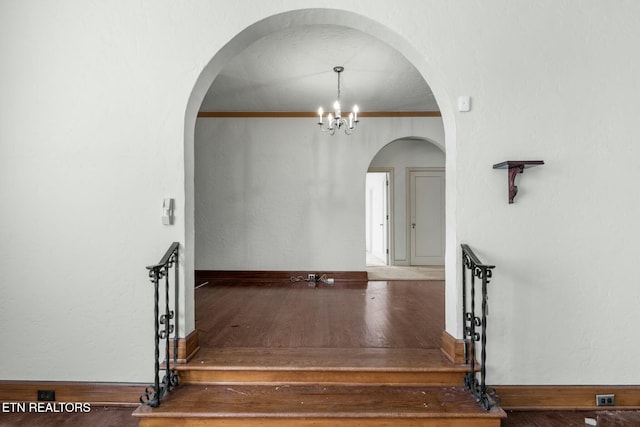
x,y
416,169
245,39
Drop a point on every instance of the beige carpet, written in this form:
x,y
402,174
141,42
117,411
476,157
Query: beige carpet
x,y
405,273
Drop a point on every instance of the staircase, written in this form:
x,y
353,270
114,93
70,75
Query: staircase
x,y
318,387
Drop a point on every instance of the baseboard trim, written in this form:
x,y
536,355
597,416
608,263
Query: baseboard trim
x,y
237,277
565,397
97,393
187,347
452,348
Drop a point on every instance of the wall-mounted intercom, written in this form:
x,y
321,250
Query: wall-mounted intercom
x,y
167,211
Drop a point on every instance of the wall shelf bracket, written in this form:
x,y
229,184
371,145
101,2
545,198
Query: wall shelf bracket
x,y
515,167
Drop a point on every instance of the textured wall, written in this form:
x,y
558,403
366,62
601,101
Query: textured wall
x,y
278,194
93,134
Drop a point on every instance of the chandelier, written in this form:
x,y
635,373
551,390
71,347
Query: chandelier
x,y
336,121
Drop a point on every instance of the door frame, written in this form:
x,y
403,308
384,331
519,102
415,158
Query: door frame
x,y
408,172
390,204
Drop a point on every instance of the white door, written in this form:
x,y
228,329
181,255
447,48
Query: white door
x,y
378,217
427,226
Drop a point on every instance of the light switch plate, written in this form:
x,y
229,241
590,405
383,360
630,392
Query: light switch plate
x,y
464,103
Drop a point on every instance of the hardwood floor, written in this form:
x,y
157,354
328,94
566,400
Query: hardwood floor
x,y
97,417
401,314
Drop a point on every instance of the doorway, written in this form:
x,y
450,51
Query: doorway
x,y
378,217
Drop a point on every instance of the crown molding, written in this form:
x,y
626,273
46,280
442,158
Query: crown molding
x,y
305,114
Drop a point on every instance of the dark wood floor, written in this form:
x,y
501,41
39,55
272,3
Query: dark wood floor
x,y
97,417
401,314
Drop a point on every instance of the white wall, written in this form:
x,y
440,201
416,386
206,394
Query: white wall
x,y
278,194
401,155
91,118
92,137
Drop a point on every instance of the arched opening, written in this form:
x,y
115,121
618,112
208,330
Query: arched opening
x,y
410,201
327,157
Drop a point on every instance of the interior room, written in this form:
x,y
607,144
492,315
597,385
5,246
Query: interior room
x,y
162,161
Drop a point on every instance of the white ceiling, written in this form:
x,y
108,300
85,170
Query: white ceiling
x,y
292,70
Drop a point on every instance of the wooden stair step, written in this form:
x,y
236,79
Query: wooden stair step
x,y
321,365
318,406
377,358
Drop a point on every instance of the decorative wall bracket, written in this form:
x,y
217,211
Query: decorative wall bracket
x,y
515,167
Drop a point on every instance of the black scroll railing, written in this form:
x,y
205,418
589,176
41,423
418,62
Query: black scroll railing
x,y
164,329
475,325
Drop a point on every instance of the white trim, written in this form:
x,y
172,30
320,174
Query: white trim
x,y
390,208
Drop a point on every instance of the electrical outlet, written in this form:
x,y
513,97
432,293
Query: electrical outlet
x,y
605,400
46,395
311,278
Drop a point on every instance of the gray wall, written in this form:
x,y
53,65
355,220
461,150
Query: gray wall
x,y
278,194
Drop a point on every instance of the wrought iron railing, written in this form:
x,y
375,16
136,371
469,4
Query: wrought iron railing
x,y
154,393
475,269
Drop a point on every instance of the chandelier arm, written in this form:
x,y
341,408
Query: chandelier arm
x,y
331,125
